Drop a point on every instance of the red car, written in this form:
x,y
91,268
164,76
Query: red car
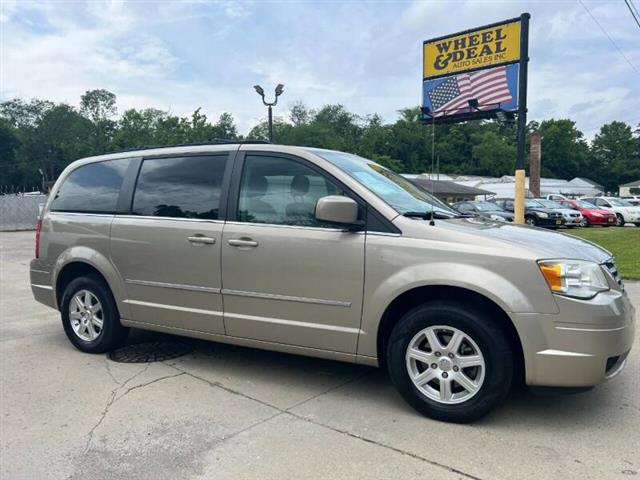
x,y
591,215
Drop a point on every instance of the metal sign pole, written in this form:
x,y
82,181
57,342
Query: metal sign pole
x,y
522,119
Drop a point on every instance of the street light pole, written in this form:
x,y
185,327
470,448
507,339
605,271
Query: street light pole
x,y
270,105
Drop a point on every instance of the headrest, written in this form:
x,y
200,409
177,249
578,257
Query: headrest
x,y
257,185
300,185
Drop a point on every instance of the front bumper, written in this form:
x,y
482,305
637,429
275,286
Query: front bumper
x,y
583,345
550,222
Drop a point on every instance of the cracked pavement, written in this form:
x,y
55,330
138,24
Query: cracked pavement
x,y
230,412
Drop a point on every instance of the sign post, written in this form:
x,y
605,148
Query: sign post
x,y
480,73
522,120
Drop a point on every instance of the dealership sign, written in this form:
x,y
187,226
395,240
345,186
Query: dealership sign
x,y
472,74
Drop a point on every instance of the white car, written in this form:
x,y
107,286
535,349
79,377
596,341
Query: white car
x,y
572,218
624,210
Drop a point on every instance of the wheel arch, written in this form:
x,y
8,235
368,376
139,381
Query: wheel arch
x,y
79,261
424,294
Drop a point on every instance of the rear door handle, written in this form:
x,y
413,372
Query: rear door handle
x,y
242,242
201,240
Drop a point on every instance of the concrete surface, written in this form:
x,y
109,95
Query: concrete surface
x,y
230,412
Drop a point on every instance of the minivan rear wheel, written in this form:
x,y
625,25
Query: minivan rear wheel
x,y
90,315
449,362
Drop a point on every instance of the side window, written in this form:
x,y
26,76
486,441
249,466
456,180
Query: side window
x,y
91,188
465,207
182,187
281,191
508,205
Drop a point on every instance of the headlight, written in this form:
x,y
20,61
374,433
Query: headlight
x,y
542,215
496,217
574,278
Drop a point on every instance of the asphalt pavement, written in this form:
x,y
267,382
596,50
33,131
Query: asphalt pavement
x,y
224,412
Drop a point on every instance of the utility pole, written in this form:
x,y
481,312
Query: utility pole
x,y
270,105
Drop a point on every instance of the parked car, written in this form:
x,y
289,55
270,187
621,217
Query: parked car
x,y
624,211
535,214
591,215
484,209
324,253
571,217
556,197
633,200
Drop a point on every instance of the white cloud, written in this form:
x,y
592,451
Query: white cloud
x,y
367,56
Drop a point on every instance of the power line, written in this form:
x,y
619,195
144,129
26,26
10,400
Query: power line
x,y
635,9
633,14
608,36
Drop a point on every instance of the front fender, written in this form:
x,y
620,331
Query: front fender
x,y
102,264
514,294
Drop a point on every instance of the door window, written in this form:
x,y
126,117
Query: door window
x,y
182,187
91,188
282,191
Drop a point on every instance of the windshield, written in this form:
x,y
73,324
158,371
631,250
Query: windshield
x,y
394,189
487,207
585,204
618,202
533,204
550,204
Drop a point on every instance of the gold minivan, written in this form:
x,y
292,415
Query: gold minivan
x,y
328,254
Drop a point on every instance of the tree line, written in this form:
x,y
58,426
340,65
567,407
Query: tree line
x,y
39,138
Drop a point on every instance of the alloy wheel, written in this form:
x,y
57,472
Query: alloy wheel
x,y
445,364
86,315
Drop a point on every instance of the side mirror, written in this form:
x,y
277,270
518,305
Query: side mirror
x,y
337,209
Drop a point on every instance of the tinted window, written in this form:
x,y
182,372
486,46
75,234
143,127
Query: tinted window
x,y
91,188
185,187
281,191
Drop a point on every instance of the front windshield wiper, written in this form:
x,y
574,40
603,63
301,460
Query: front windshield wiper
x,y
429,215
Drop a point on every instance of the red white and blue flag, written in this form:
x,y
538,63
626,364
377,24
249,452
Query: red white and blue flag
x,y
491,88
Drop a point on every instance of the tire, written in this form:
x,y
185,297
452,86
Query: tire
x,y
584,222
492,381
530,220
637,224
619,220
82,327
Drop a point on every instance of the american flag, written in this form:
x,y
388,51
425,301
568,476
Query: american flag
x,y
489,87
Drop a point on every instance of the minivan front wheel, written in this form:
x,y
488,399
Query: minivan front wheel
x,y
449,362
90,315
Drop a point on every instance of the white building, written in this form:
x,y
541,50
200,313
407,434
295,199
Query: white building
x,y
505,186
625,189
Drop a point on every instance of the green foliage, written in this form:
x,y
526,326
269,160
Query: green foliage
x,y
40,134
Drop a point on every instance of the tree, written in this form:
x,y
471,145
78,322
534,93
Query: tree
x,y
99,106
565,152
616,158
10,169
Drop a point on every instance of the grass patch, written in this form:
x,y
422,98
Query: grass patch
x,y
623,242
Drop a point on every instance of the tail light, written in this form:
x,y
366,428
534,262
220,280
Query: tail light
x,y
38,230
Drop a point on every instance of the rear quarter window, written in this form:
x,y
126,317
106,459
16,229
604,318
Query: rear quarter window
x,y
91,188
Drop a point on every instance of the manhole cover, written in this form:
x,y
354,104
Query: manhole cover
x,y
150,352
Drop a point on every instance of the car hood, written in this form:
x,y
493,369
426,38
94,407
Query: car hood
x,y
596,210
540,242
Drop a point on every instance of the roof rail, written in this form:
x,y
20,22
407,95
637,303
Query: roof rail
x,y
215,141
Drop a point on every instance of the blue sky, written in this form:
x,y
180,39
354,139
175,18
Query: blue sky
x,y
179,56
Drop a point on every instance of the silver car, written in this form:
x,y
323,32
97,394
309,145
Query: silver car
x,y
324,253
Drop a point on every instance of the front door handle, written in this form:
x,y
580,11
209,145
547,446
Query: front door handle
x,y
242,242
201,240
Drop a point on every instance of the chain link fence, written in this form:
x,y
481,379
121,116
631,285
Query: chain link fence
x,y
20,211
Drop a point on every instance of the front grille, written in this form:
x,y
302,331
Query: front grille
x,y
611,267
555,215
575,215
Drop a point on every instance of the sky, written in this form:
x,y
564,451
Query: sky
x,y
179,56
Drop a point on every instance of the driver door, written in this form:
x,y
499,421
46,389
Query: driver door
x,y
287,277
